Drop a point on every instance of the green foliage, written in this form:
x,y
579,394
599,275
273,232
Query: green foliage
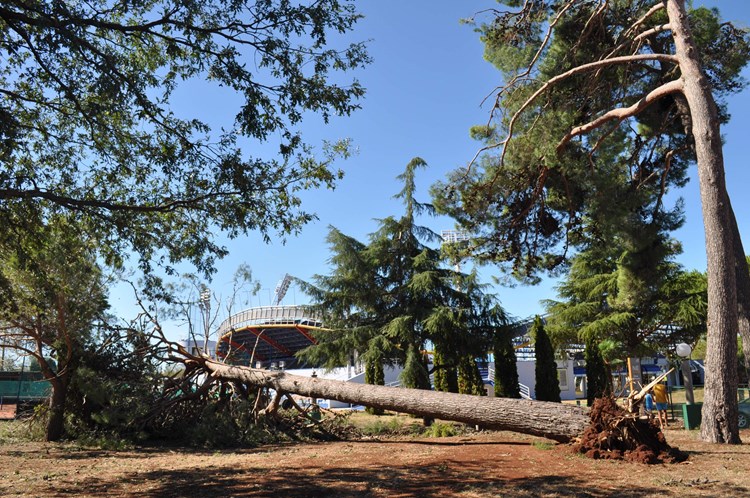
x,y
380,427
218,428
536,192
374,374
415,375
542,445
54,304
441,429
506,372
469,379
629,291
396,295
598,376
391,426
545,370
445,376
114,388
88,122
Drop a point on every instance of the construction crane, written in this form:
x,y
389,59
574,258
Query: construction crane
x,y
281,289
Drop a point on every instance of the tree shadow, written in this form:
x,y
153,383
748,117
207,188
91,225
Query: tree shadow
x,y
443,479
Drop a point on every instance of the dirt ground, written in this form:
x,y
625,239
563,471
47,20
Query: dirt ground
x,y
480,464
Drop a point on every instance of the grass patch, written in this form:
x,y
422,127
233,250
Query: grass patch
x,y
542,445
441,429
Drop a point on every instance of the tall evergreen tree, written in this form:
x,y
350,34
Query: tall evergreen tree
x,y
598,376
399,288
545,370
469,379
506,371
445,376
642,309
589,83
374,372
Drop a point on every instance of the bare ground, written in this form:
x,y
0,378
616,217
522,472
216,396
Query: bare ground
x,y
481,464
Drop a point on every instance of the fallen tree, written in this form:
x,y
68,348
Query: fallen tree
x,y
607,431
209,381
551,420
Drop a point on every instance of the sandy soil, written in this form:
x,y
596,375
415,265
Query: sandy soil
x,y
478,465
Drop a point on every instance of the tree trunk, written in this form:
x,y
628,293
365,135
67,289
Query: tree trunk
x,y
719,420
551,420
56,421
743,288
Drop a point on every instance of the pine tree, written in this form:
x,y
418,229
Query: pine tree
x,y
594,89
547,384
399,288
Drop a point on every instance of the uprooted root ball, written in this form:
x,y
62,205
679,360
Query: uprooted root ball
x,y
617,434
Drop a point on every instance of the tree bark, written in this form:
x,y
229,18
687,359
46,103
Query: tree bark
x,y
719,419
551,420
743,288
56,421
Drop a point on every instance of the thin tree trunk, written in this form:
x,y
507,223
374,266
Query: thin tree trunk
x,y
719,420
552,420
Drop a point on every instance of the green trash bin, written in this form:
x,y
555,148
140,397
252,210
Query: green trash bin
x,y
691,414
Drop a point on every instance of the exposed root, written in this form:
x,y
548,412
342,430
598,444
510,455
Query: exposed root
x,y
618,435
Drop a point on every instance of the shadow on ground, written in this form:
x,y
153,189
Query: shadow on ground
x,y
444,480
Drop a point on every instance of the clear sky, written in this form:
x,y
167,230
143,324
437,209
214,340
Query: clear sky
x,y
424,90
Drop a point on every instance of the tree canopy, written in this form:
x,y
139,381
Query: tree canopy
x,y
392,298
594,85
54,302
88,122
566,169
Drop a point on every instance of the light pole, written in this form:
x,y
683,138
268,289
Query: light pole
x,y
683,351
205,305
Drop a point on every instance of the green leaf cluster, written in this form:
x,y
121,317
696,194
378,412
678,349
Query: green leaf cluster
x,y
545,369
394,298
531,198
89,122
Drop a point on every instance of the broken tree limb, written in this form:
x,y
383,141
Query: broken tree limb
x,y
651,384
551,420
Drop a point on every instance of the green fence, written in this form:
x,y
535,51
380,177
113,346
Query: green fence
x,y
24,389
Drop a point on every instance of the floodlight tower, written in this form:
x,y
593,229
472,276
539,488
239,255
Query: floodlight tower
x,y
204,303
455,237
281,289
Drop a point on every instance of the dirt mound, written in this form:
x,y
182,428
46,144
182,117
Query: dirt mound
x,y
619,435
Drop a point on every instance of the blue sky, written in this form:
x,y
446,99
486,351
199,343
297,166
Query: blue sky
x,y
424,90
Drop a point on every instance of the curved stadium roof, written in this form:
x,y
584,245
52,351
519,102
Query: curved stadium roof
x,y
267,334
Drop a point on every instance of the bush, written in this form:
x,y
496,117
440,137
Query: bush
x,y
441,429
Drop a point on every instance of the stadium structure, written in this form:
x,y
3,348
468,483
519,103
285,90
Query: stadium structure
x,y
267,336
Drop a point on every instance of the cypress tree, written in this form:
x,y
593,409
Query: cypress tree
x,y
547,384
506,372
374,374
445,377
469,379
415,373
598,378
